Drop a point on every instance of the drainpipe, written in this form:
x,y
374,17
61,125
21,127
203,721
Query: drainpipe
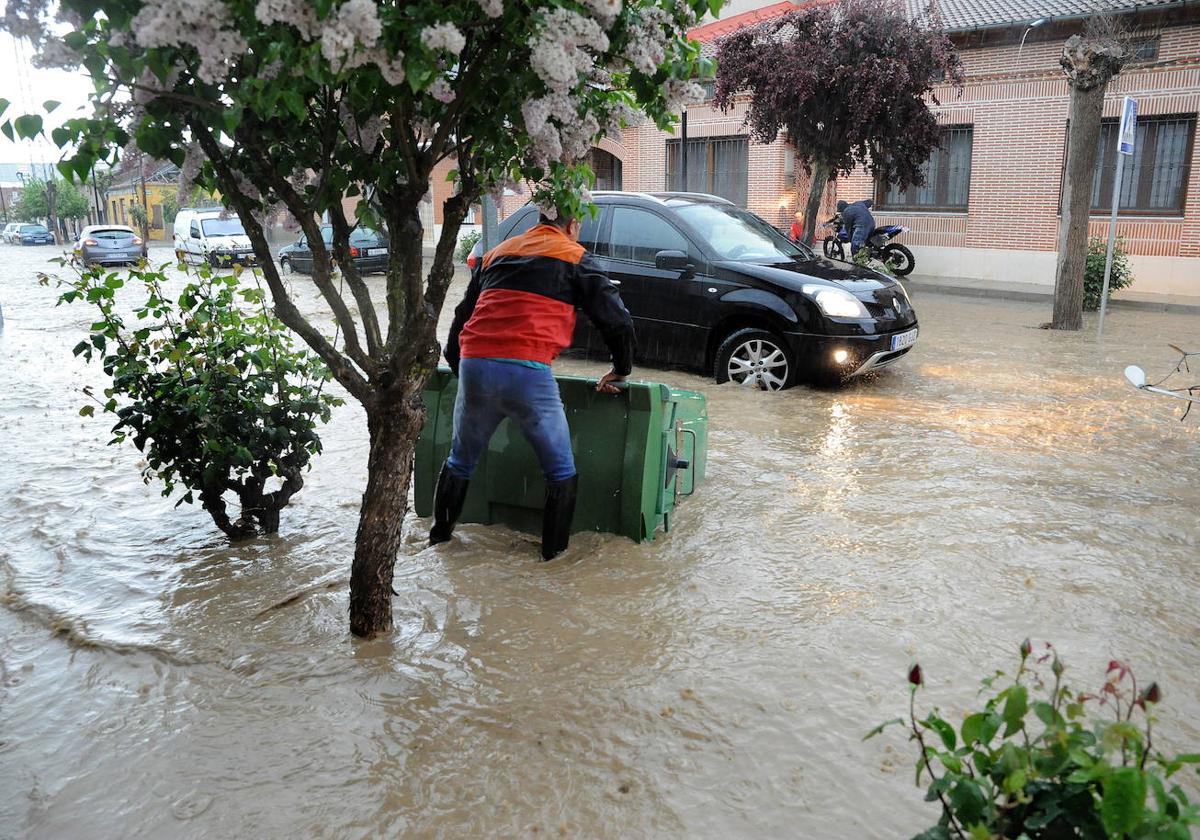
x,y
683,152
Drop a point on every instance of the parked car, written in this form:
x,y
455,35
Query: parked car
x,y
109,245
211,235
9,230
368,249
713,287
33,235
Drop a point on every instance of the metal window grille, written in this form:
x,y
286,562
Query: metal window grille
x,y
715,165
1155,175
947,176
1143,49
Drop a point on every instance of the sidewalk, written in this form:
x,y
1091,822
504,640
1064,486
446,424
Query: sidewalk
x,y
1008,290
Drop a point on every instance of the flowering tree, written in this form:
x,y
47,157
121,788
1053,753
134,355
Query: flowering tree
x,y
848,80
313,104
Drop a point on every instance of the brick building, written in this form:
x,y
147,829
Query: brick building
x,y
990,207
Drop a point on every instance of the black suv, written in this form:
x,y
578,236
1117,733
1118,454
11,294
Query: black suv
x,y
713,287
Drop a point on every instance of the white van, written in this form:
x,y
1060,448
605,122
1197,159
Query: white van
x,y
211,235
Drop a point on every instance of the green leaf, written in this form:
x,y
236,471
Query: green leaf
x,y
968,801
882,727
295,103
1046,713
28,126
943,729
87,411
1124,800
7,128
50,105
1015,707
980,727
4,103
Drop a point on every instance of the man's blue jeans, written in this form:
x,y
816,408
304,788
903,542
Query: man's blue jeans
x,y
489,391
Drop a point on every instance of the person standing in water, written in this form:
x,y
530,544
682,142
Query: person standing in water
x,y
518,314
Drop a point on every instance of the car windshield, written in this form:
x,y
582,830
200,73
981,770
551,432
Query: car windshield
x,y
736,234
223,227
358,236
110,233
34,229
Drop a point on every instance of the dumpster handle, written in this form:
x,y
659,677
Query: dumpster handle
x,y
692,465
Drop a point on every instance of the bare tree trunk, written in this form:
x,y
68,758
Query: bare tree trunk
x,y
394,425
1089,65
816,191
1083,140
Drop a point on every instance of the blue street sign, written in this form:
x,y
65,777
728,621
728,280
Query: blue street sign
x,y
1128,125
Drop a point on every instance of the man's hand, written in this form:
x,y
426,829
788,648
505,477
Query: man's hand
x,y
606,386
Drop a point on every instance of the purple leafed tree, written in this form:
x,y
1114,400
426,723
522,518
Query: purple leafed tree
x,y
850,81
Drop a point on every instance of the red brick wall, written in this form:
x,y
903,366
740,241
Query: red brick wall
x,y
1019,114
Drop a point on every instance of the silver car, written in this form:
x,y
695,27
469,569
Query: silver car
x,y
9,230
109,245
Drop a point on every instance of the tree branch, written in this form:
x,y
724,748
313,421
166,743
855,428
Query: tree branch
x,y
285,308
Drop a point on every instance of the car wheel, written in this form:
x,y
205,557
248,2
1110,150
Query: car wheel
x,y
285,266
757,358
834,248
900,259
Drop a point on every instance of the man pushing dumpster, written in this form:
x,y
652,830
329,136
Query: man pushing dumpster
x,y
518,314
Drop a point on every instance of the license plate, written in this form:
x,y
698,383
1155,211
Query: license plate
x,y
376,252
904,339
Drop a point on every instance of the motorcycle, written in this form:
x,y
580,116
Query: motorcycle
x,y
879,246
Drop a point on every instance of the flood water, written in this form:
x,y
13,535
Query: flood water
x,y
1000,482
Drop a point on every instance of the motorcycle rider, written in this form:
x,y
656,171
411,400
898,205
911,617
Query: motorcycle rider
x,y
858,221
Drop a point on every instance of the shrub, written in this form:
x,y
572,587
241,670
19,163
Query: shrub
x,y
209,387
1081,767
463,250
1093,272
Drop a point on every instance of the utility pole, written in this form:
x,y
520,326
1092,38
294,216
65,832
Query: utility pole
x,y
51,195
3,204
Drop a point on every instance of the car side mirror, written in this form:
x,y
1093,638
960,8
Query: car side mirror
x,y
672,261
195,234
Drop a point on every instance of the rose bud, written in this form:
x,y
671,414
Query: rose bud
x,y
1151,694
1057,667
1026,648
914,675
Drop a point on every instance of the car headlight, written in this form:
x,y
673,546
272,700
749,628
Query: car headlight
x,y
836,303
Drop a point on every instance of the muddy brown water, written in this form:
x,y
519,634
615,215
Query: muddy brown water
x,y
1001,482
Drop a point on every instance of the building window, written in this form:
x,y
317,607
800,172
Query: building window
x,y
1155,176
947,177
1144,49
607,168
715,165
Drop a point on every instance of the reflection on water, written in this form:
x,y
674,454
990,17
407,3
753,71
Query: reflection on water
x,y
1001,482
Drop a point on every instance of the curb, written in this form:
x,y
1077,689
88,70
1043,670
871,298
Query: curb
x,y
1036,295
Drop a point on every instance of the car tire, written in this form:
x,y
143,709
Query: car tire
x,y
903,257
285,266
834,249
757,358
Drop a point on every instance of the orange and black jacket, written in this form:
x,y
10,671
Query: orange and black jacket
x,y
522,298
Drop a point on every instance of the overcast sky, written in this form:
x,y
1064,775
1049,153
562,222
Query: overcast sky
x,y
27,87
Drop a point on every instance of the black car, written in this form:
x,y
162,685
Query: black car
x,y
33,235
713,287
368,249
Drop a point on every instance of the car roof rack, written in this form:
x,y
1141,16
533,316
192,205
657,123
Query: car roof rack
x,y
632,193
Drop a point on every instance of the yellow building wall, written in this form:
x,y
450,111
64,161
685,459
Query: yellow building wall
x,y
121,204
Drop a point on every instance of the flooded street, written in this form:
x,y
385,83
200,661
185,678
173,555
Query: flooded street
x,y
999,482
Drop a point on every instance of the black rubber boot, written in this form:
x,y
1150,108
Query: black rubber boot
x,y
556,520
447,504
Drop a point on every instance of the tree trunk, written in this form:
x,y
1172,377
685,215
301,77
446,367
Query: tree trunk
x,y
1090,63
394,423
816,191
1083,140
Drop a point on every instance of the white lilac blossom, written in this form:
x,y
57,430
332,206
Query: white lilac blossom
x,y
492,8
193,159
356,23
606,11
299,14
443,36
392,68
441,90
553,64
680,92
207,27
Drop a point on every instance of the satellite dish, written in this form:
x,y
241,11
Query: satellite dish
x,y
1136,376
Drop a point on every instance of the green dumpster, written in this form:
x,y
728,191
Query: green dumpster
x,y
636,452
